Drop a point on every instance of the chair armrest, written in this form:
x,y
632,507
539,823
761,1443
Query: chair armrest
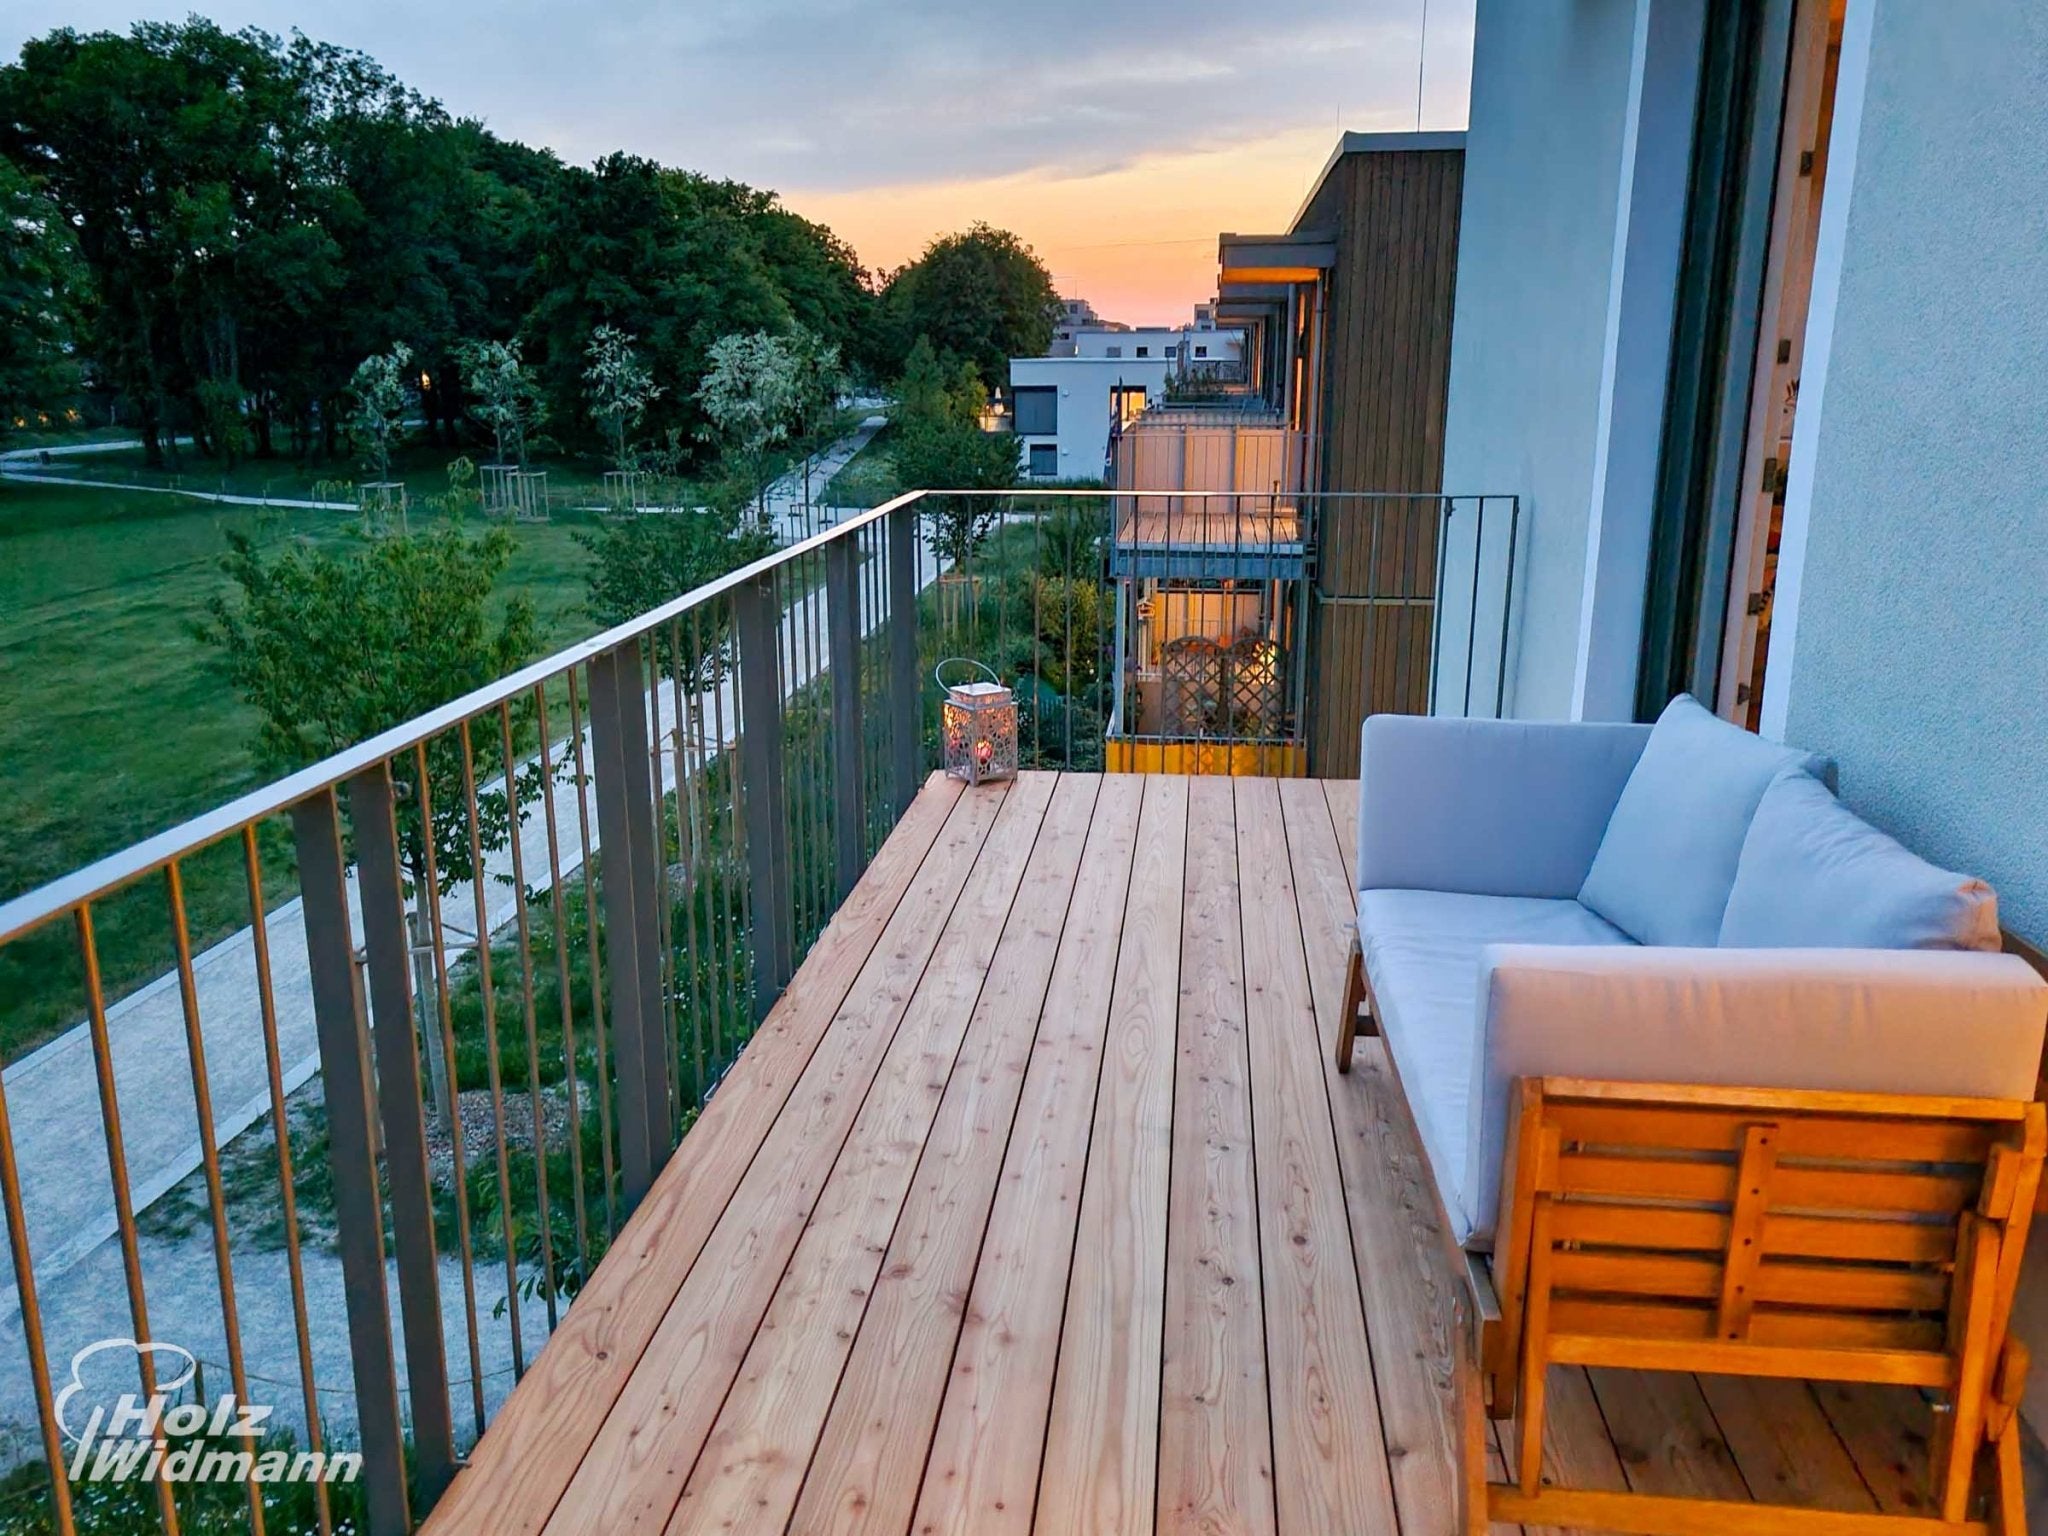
x,y
1487,807
1860,1020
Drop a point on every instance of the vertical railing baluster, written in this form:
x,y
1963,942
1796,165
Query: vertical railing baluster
x,y
428,897
351,1157
117,1169
690,831
32,1336
487,994
662,897
380,887
558,909
848,790
1507,603
599,1042
209,1159
904,694
755,619
288,1196
524,928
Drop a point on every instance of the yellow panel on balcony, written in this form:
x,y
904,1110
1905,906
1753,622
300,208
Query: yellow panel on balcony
x,y
1241,759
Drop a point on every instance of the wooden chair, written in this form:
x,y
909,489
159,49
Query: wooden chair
x,y
1830,1236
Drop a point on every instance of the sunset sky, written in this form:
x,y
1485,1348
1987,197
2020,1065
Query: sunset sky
x,y
1116,139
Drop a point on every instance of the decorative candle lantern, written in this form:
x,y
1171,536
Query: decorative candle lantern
x,y
978,725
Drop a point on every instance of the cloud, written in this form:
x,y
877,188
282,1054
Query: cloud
x,y
1087,127
830,93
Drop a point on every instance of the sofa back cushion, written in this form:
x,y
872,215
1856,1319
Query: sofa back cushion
x,y
1487,807
1667,861
1815,875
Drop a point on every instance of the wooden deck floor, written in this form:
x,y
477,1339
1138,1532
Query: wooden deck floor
x,y
1037,1205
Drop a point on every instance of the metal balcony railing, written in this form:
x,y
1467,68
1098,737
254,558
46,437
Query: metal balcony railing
x,y
489,964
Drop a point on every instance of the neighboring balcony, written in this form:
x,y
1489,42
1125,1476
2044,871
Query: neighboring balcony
x,y
814,1141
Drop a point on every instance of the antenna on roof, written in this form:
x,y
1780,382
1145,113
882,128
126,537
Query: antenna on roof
x,y
1421,54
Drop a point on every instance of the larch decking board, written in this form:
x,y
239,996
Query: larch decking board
x,y
982,1475
519,1469
1666,1435
1885,1431
1783,1444
628,1477
1102,1435
1329,1454
1405,1259
986,1155
1577,1450
1216,1433
751,1468
864,1477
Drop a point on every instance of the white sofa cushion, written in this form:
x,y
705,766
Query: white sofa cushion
x,y
1667,861
1858,1020
1422,954
1493,807
1815,875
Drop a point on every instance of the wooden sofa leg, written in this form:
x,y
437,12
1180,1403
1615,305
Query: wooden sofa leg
x,y
1354,999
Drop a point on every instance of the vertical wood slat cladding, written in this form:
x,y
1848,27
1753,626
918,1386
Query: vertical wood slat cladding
x,y
1386,378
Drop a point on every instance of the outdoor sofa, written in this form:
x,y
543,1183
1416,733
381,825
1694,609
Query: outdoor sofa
x,y
1711,1076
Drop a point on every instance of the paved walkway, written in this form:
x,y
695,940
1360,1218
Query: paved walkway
x,y
790,512
53,1094
13,460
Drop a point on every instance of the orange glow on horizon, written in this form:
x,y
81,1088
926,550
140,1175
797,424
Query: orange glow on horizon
x,y
1137,241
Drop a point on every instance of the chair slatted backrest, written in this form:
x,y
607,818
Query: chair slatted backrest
x,y
1835,1236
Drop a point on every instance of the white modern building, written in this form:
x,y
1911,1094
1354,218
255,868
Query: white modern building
x,y
1062,408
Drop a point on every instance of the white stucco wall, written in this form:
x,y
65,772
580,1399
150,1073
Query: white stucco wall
x,y
1083,384
1536,243
1911,635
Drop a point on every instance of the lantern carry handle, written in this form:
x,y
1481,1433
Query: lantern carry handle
x,y
939,672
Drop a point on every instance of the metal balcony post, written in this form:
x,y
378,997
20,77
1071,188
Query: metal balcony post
x,y
849,798
352,1158
387,942
629,873
757,616
905,714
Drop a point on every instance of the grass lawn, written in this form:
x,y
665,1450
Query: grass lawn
x,y
114,724
422,466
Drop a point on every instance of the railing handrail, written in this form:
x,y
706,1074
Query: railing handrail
x,y
40,905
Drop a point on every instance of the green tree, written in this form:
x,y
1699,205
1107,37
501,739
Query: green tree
x,y
619,389
940,444
503,394
37,276
982,295
637,564
330,646
750,394
379,392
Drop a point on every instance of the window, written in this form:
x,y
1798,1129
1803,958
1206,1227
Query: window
x,y
1045,461
1201,351
1126,402
1144,351
1038,410
1112,351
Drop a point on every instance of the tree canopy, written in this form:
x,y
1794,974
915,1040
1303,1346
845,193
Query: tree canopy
x,y
253,216
982,295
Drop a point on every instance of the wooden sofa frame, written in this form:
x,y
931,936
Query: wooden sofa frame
x,y
1749,1232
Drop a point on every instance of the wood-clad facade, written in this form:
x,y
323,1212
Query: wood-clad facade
x,y
1375,372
